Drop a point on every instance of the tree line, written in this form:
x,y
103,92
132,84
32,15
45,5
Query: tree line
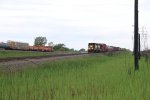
x,y
42,41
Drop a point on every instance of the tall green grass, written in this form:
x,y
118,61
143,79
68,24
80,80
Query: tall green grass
x,y
97,77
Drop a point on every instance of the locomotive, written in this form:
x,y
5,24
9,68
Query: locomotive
x,y
101,47
14,45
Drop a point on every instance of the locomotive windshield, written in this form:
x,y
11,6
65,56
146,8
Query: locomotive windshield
x,y
91,46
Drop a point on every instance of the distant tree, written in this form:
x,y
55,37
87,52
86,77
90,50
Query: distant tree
x,y
72,49
40,41
59,46
82,50
51,44
64,49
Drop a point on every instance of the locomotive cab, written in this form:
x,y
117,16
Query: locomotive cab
x,y
91,47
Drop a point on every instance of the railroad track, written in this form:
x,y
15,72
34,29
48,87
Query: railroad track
x,y
38,57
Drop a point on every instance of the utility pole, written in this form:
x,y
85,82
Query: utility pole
x,y
136,37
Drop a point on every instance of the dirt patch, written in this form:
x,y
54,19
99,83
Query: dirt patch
x,y
11,66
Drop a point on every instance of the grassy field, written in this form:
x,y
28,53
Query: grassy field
x,y
97,77
14,53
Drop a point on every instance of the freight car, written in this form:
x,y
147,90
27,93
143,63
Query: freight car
x,y
13,45
41,48
101,47
3,45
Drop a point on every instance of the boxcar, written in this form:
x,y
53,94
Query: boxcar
x,y
17,45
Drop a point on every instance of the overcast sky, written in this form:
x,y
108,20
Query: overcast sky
x,y
72,22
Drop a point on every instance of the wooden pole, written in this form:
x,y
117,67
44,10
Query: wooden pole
x,y
136,35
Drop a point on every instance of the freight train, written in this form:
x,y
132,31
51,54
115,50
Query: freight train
x,y
14,45
101,47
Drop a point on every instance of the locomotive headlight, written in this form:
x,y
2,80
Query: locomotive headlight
x,y
91,46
